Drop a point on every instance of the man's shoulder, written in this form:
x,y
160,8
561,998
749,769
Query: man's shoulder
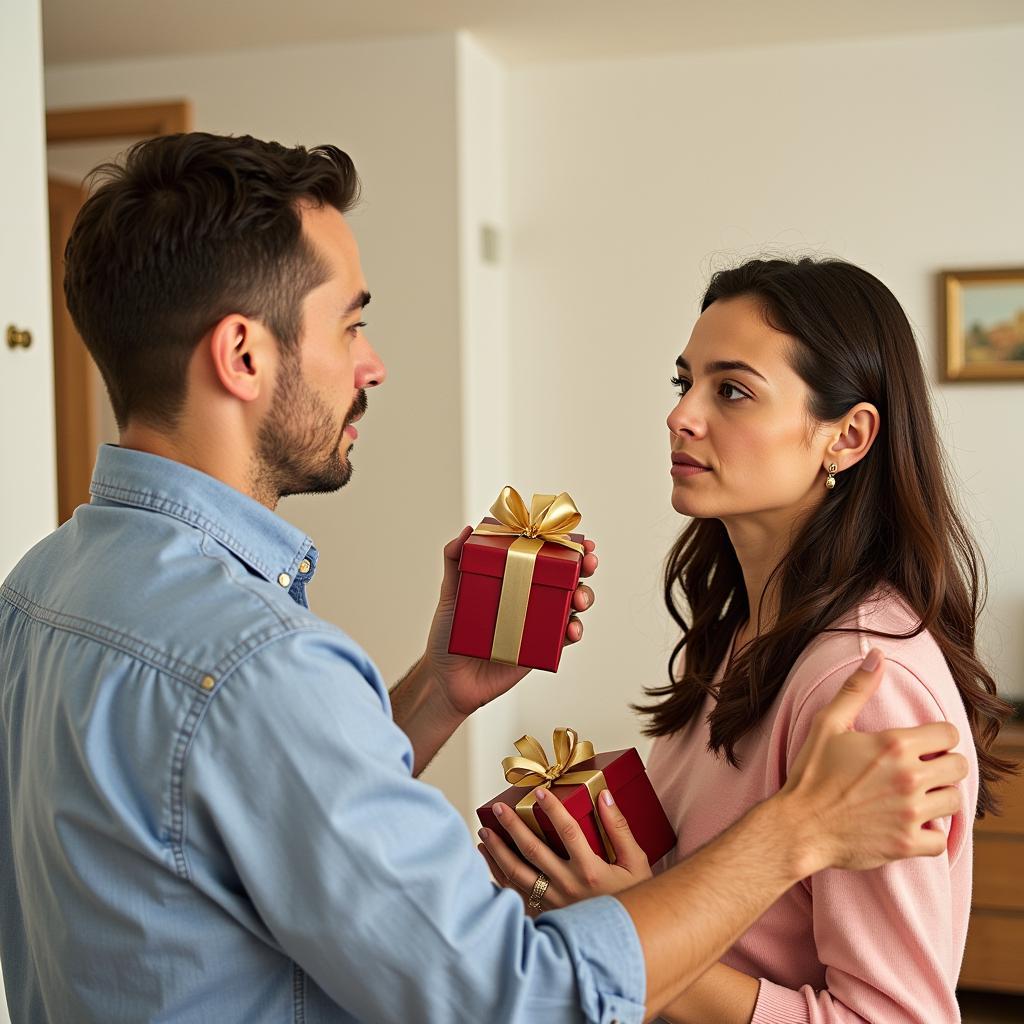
x,y
161,590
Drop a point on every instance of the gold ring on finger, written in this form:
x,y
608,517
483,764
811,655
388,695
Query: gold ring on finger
x,y
537,892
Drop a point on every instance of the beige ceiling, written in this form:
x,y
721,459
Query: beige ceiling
x,y
515,31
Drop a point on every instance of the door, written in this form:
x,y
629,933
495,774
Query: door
x,y
73,369
80,139
28,499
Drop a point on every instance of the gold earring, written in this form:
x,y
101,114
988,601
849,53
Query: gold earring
x,y
830,480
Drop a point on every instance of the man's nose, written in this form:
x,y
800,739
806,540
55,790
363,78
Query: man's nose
x,y
370,369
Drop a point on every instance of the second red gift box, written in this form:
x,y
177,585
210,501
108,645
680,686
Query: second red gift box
x,y
577,777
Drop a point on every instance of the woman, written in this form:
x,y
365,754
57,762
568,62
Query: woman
x,y
804,449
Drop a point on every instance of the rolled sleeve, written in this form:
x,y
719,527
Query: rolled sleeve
x,y
599,933
307,826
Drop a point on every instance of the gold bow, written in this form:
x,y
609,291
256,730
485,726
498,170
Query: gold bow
x,y
550,519
534,770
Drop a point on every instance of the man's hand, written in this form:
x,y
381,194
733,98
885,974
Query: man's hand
x,y
437,694
469,683
852,800
863,799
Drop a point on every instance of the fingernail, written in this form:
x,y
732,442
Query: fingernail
x,y
541,794
499,809
606,797
482,833
872,661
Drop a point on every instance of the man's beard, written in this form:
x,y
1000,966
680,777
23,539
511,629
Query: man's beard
x,y
298,446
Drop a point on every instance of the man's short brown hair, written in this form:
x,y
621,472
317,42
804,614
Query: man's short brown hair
x,y
185,231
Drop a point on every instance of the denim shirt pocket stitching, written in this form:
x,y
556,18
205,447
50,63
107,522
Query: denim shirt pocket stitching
x,y
182,745
132,646
298,994
222,672
271,634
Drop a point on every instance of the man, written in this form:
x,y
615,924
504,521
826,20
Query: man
x,y
209,807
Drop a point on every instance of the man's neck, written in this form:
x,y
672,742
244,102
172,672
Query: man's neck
x,y
222,460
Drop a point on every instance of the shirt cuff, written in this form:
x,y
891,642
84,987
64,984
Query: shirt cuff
x,y
778,1005
610,971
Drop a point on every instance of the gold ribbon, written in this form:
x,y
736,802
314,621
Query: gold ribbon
x,y
534,770
551,519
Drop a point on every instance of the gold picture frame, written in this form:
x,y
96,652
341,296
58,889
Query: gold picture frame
x,y
983,324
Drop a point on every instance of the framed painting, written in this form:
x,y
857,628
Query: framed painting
x,y
983,318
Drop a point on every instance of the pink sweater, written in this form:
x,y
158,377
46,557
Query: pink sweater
x,y
883,946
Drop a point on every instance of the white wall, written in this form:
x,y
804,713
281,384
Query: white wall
x,y
483,301
615,188
28,484
391,105
631,180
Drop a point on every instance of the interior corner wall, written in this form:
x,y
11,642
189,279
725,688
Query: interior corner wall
x,y
632,180
487,403
391,104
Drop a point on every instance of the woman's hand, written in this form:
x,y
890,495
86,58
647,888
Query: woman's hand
x,y
584,874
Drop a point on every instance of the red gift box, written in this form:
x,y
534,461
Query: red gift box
x,y
625,776
481,597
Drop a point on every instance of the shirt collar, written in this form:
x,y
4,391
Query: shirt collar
x,y
261,539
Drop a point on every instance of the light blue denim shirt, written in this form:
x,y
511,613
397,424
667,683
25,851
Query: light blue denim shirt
x,y
208,814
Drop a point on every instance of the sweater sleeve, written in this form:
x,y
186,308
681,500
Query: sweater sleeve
x,y
891,940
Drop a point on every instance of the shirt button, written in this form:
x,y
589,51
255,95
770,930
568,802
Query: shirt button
x,y
208,682
284,579
305,565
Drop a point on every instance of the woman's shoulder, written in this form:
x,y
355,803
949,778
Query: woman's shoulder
x,y
917,684
917,687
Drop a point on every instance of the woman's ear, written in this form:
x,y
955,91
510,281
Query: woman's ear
x,y
238,352
857,432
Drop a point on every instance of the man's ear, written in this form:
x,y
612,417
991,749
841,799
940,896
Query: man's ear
x,y
857,432
240,355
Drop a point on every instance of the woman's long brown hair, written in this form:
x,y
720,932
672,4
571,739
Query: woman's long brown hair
x,y
891,521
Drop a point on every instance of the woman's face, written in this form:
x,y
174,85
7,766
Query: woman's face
x,y
743,417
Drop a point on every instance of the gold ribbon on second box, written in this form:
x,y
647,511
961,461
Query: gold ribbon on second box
x,y
551,518
533,769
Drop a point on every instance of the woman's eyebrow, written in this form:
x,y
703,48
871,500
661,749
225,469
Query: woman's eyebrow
x,y
720,365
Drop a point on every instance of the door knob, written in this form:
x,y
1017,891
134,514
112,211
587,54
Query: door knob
x,y
18,339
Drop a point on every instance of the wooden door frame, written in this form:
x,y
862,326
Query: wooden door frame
x,y
75,433
83,124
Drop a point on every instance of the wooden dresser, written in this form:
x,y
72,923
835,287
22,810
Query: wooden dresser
x,y
995,940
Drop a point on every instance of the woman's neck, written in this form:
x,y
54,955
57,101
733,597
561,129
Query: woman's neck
x,y
760,545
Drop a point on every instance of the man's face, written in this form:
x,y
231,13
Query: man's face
x,y
305,441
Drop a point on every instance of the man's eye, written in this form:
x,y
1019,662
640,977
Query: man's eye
x,y
681,385
357,327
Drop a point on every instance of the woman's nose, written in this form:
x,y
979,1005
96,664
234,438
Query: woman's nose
x,y
686,417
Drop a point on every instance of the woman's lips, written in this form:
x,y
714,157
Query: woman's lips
x,y
684,465
683,469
